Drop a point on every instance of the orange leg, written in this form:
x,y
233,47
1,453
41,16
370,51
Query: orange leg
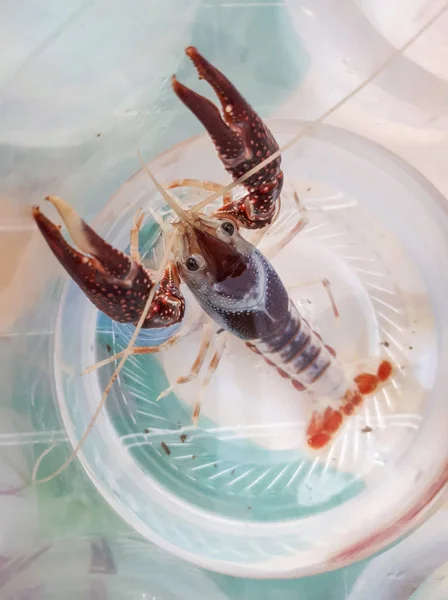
x,y
201,184
142,349
197,365
135,350
327,285
138,220
213,365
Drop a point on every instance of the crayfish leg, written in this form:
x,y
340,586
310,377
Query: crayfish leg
x,y
327,286
197,364
200,184
213,365
136,350
242,140
134,246
287,238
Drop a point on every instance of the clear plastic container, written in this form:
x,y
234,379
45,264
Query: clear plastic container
x,y
347,41
414,568
98,568
242,493
436,586
82,86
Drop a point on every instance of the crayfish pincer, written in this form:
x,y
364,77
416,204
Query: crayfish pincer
x,y
242,141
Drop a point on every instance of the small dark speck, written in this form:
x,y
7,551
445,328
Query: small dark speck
x,y
165,448
402,367
308,189
386,344
98,134
220,330
183,437
413,331
411,348
232,472
215,465
249,508
193,457
147,430
309,301
366,429
109,349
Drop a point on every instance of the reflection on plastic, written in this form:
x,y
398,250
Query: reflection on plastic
x,y
102,569
400,571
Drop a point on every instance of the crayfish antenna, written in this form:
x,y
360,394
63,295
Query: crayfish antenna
x,y
170,198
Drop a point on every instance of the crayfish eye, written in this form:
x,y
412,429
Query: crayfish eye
x,y
228,227
192,263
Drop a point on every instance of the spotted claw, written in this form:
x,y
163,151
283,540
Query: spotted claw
x,y
242,141
116,284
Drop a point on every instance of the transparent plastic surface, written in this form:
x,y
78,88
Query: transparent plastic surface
x,y
436,586
417,565
118,568
347,40
81,85
242,493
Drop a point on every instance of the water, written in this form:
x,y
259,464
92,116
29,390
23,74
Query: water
x,y
247,462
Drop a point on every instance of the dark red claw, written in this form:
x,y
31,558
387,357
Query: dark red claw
x,y
242,140
227,141
225,90
117,285
114,262
168,306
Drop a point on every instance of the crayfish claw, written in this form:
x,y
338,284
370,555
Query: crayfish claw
x,y
237,112
115,283
77,264
242,141
227,142
110,260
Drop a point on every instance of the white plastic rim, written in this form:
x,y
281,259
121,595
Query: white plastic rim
x,y
411,566
435,587
322,542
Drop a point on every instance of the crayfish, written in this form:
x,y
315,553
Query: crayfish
x,y
233,282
